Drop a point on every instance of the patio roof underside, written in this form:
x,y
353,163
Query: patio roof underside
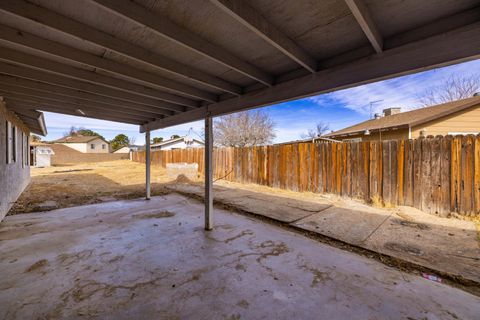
x,y
162,63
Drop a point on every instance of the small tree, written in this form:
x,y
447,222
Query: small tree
x,y
157,139
119,142
244,129
453,88
320,129
175,136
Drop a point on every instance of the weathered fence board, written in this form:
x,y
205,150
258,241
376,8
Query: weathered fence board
x,y
438,175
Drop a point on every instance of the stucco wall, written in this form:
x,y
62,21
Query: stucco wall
x,y
14,177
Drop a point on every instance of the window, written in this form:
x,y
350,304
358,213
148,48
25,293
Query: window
x,y
14,144
92,146
27,150
104,146
11,143
23,149
8,143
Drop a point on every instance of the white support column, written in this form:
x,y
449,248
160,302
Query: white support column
x,y
147,164
208,173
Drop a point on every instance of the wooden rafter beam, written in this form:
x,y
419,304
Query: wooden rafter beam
x,y
451,47
68,83
74,100
62,51
28,105
169,30
79,30
364,19
37,62
70,106
45,87
242,12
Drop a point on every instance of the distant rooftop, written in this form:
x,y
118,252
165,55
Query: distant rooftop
x,y
77,139
410,118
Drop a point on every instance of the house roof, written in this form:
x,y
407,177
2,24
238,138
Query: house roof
x,y
410,118
170,141
77,139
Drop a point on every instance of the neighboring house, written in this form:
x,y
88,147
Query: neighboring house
x,y
41,155
85,144
128,149
15,129
178,143
459,117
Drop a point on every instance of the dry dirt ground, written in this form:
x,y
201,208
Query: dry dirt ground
x,y
88,183
449,248
138,259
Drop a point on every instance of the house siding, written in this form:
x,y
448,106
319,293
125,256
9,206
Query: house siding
x,y
15,176
466,121
85,147
374,136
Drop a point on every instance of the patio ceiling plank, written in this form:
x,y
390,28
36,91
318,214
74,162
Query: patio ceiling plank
x,y
101,91
26,59
82,31
41,101
28,105
62,98
364,19
63,51
454,46
249,17
31,84
169,30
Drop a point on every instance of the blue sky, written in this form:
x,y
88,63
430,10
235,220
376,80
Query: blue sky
x,y
339,109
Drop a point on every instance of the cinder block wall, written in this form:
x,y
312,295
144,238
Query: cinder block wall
x,y
14,177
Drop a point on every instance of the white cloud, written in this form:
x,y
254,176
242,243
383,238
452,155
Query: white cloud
x,y
401,92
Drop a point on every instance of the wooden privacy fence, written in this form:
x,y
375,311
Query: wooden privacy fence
x,y
438,175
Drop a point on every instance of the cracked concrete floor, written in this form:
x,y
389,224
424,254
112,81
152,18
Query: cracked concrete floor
x,y
141,259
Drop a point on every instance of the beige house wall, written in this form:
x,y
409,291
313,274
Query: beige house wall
x,y
14,176
466,121
86,147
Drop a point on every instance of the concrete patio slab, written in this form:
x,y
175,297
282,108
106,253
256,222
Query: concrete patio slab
x,y
450,245
344,224
153,260
284,209
447,246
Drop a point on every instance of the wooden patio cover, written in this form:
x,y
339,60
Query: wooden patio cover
x,y
161,63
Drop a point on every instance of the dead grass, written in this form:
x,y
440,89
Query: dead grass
x,y
88,183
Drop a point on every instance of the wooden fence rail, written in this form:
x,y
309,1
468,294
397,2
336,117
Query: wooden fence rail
x,y
438,175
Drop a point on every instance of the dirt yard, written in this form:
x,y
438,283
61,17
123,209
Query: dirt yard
x,y
432,245
88,183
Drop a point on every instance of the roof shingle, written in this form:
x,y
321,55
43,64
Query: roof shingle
x,y
410,118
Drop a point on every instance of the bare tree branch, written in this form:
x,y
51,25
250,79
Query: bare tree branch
x,y
243,129
320,129
453,88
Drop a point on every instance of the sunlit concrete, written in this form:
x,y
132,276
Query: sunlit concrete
x,y
153,260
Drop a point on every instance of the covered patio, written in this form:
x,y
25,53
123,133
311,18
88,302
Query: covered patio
x,y
158,64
